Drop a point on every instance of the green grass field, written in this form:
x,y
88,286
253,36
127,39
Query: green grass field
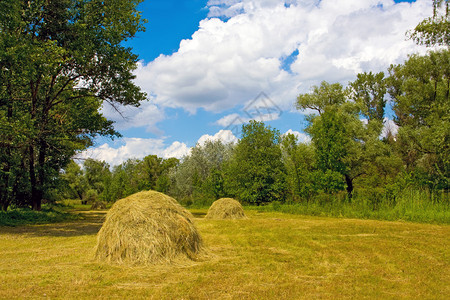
x,y
269,256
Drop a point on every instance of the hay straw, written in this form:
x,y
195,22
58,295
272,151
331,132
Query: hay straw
x,y
148,228
98,205
226,208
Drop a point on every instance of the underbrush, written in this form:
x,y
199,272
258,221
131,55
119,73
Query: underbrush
x,y
414,206
24,216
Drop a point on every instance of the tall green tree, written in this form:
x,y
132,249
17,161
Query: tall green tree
x,y
300,163
256,173
60,61
338,135
420,92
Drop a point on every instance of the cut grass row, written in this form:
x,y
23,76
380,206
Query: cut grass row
x,y
269,256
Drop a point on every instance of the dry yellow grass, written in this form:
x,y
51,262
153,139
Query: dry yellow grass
x,y
268,256
148,228
226,208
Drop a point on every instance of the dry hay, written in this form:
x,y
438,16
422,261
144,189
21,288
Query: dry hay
x,y
98,205
226,208
148,228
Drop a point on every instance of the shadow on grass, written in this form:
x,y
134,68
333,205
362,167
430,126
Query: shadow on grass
x,y
90,224
198,214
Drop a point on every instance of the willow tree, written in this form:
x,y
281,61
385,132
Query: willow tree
x,y
60,61
434,30
420,92
344,146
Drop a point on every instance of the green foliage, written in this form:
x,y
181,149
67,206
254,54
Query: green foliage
x,y
23,216
324,96
434,30
91,196
255,173
300,162
95,181
420,92
200,178
369,91
337,134
59,62
76,182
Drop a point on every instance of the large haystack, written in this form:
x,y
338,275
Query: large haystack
x,y
226,208
148,228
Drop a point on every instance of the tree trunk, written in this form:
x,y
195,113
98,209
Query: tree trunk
x,y
5,205
36,189
5,194
349,182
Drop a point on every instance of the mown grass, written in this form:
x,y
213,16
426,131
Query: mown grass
x,y
269,256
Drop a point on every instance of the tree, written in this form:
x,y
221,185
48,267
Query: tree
x,y
201,172
322,97
98,178
76,185
338,135
255,173
300,163
420,92
60,60
436,29
163,182
369,90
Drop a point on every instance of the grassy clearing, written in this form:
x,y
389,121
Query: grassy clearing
x,y
269,256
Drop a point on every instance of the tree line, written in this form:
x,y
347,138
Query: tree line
x,y
348,154
62,60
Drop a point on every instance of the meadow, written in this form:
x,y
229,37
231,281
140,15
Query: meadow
x,y
270,255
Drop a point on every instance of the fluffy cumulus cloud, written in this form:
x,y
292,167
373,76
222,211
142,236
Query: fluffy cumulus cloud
x,y
135,148
138,148
225,136
301,137
281,47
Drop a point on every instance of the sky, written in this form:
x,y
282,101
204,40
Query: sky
x,y
208,66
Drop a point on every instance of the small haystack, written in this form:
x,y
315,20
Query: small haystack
x,y
226,208
148,228
98,205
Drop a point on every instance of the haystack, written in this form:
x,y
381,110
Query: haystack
x,y
98,205
148,228
226,208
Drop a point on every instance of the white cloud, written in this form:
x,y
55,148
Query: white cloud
x,y
135,148
138,148
146,115
228,63
177,149
232,119
301,137
226,136
389,128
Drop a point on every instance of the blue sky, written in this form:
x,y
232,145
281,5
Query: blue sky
x,y
203,62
